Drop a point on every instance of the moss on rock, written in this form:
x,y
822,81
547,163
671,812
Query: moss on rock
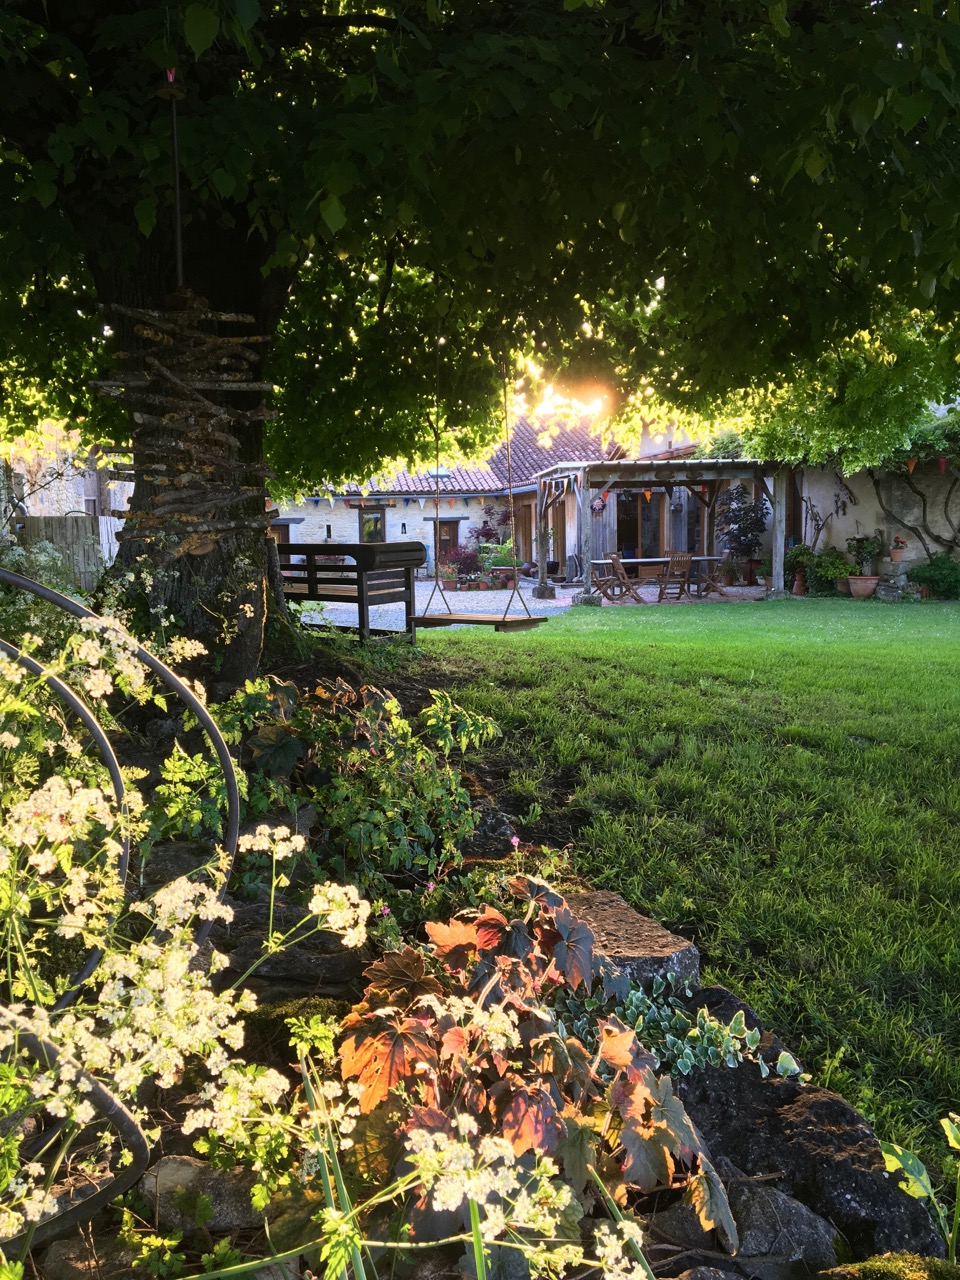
x,y
268,1036
896,1266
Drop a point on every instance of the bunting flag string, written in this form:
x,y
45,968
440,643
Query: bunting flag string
x,y
422,503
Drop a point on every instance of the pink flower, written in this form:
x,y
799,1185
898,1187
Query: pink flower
x,y
515,841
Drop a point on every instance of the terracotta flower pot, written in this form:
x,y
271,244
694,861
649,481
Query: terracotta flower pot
x,y
862,584
800,583
842,585
896,554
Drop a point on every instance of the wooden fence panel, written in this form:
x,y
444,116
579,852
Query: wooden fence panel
x,y
77,538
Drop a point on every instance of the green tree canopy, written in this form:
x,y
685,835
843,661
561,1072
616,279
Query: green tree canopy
x,y
695,195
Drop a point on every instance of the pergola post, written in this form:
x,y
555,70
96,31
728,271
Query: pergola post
x,y
585,522
544,590
779,534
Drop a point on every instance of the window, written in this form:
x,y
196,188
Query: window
x,y
90,506
373,525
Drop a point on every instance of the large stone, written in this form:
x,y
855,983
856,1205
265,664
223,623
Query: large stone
x,y
823,1152
227,1189
320,964
708,1273
780,1239
176,858
640,947
679,1224
73,1260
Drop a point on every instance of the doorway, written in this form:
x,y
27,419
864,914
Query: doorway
x,y
651,525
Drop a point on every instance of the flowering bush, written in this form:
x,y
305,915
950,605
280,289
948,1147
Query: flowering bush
x,y
463,1112
148,1008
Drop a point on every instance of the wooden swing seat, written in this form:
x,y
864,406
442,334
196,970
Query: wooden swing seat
x,y
495,620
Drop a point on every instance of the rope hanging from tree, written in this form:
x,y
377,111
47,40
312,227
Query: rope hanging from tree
x,y
501,622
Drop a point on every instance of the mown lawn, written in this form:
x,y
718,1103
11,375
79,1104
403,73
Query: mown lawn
x,y
778,782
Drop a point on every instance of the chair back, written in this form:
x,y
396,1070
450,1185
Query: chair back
x,y
680,562
618,569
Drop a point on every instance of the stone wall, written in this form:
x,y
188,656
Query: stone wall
x,y
918,507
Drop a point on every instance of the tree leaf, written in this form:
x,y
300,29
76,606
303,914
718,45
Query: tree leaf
x,y
145,212
573,954
247,11
620,1048
537,891
276,750
708,1196
333,213
399,979
668,1114
576,1152
527,1115
402,1049
454,943
200,28
951,1127
914,1178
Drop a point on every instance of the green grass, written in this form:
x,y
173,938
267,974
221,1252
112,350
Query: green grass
x,y
778,782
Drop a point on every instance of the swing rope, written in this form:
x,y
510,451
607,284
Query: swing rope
x,y
435,427
500,621
513,519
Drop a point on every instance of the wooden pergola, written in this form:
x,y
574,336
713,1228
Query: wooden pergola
x,y
703,478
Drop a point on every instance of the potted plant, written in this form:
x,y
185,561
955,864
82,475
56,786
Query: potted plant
x,y
501,564
863,549
741,522
939,577
796,561
765,573
831,570
897,547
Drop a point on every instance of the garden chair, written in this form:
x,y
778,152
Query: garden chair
x,y
607,585
676,576
628,586
715,576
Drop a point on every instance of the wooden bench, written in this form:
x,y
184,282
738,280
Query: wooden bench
x,y
381,573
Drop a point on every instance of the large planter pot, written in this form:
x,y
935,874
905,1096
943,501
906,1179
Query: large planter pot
x,y
842,585
862,585
800,583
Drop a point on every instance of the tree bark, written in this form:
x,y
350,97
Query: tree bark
x,y
193,556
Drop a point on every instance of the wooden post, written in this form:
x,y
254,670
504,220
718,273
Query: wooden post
x,y
587,519
779,534
544,590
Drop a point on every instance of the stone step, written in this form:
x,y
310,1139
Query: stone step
x,y
643,949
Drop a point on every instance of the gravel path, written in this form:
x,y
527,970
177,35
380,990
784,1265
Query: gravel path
x,y
389,617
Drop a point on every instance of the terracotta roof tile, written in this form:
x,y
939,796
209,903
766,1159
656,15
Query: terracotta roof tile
x,y
532,449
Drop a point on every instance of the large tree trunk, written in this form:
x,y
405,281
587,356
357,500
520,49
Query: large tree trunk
x,y
193,550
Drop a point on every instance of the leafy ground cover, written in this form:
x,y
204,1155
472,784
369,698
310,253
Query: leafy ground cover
x,y
778,782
